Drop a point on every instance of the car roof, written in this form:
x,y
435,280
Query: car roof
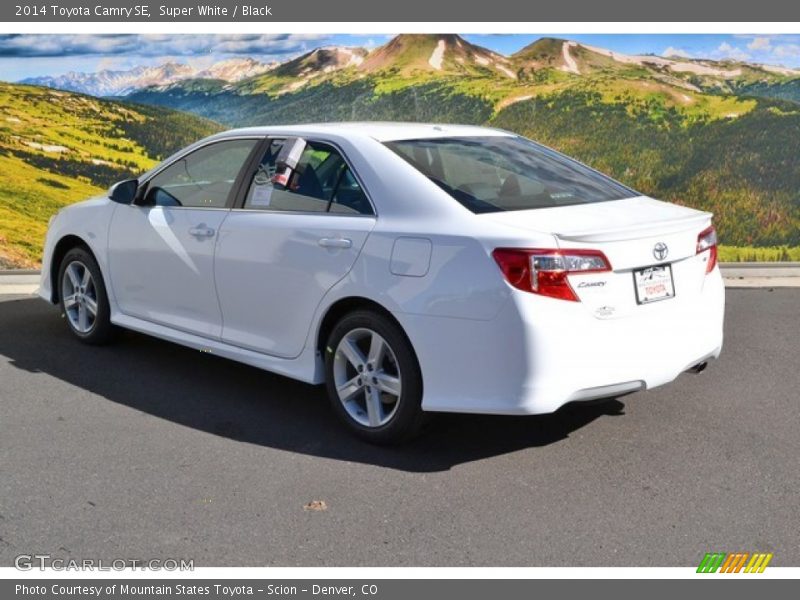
x,y
380,131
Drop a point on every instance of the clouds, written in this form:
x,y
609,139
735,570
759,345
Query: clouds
x,y
772,49
676,52
189,45
760,43
730,52
787,51
777,50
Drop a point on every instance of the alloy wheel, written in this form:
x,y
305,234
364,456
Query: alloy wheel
x,y
80,297
367,377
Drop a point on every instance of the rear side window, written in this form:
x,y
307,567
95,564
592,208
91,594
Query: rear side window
x,y
501,173
322,182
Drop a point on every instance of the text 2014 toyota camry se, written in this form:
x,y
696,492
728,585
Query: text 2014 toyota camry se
x,y
411,268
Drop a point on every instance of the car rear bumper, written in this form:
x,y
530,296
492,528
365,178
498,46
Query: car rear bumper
x,y
536,356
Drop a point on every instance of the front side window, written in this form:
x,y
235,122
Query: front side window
x,y
203,179
500,173
322,182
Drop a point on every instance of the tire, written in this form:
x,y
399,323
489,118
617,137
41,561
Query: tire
x,y
83,298
386,412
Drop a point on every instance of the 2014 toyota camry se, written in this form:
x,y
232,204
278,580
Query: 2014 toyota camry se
x,y
411,268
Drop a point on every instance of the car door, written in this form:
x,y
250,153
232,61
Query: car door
x,y
161,249
286,246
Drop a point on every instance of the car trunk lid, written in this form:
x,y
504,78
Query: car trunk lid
x,y
634,234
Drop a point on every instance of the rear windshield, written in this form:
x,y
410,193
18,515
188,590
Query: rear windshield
x,y
493,174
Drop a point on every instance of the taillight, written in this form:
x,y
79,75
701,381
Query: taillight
x,y
545,271
707,240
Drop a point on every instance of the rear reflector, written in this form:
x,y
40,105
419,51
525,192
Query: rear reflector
x,y
544,271
707,240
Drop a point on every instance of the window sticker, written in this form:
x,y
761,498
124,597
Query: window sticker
x,y
262,195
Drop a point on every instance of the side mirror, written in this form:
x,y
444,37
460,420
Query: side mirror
x,y
124,192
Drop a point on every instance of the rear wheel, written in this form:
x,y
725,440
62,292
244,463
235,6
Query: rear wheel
x,y
373,378
83,298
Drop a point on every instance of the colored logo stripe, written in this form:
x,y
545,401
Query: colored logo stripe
x,y
711,562
734,562
758,563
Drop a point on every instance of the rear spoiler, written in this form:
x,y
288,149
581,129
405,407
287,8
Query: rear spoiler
x,y
696,221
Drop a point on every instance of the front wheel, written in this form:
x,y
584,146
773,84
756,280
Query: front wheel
x,y
373,378
83,298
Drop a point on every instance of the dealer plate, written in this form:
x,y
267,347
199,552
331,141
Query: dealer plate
x,y
653,284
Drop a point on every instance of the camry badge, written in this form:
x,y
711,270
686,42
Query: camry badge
x,y
660,251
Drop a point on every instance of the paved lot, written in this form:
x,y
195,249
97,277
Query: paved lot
x,y
145,449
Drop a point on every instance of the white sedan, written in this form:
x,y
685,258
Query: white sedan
x,y
411,268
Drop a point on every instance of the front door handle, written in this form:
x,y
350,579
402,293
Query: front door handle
x,y
335,243
201,231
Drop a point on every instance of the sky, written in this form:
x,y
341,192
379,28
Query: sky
x,y
31,55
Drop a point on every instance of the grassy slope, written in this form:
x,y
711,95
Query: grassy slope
x,y
760,254
745,169
334,101
57,148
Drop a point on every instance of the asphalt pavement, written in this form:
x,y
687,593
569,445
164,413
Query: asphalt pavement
x,y
144,449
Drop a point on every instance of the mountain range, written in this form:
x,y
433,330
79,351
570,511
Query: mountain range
x,y
123,82
548,66
416,55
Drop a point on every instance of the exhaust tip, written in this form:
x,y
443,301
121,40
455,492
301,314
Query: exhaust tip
x,y
699,367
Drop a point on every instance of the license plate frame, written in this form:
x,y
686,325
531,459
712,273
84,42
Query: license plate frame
x,y
667,280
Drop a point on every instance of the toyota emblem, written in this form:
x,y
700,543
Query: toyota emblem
x,y
660,251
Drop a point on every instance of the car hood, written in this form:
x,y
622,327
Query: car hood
x,y
629,218
94,201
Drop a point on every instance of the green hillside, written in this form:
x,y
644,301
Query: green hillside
x,y
360,100
57,148
746,170
739,158
784,90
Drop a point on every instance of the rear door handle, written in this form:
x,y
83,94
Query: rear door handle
x,y
335,243
201,231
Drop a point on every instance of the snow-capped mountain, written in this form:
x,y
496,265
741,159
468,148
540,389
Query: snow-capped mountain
x,y
322,60
235,69
445,55
122,83
582,59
